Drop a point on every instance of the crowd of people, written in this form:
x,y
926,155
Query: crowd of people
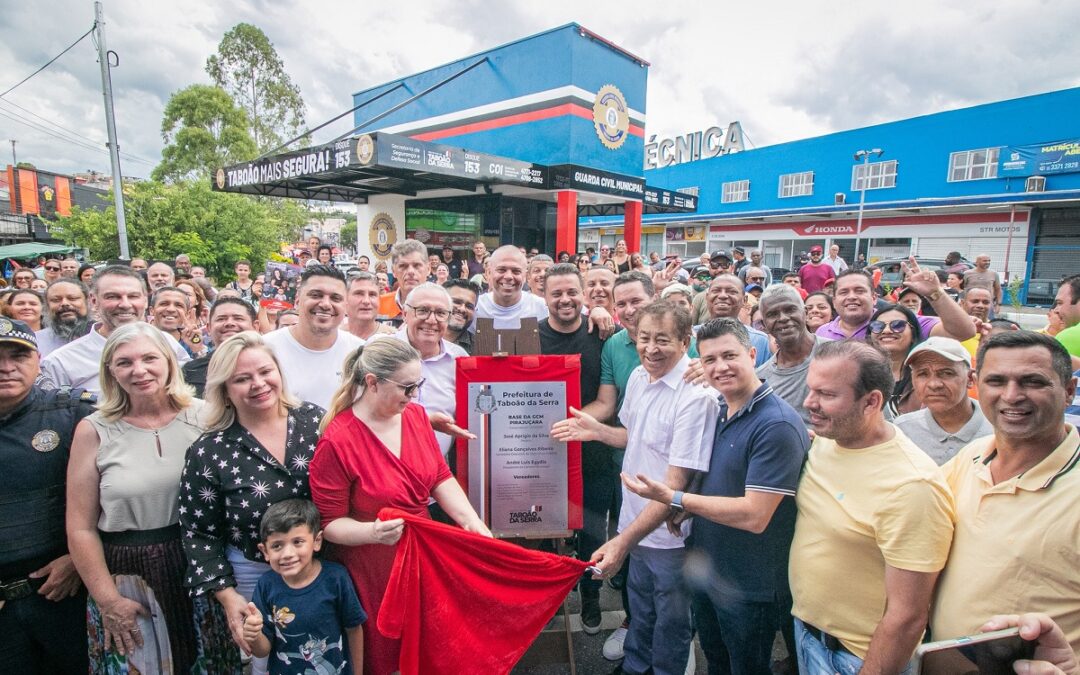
x,y
856,472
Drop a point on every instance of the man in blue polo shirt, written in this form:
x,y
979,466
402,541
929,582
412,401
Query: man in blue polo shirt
x,y
745,508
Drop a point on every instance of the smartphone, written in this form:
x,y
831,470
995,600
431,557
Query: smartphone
x,y
983,654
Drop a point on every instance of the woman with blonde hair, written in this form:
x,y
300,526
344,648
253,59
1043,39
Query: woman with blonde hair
x,y
378,450
258,443
123,490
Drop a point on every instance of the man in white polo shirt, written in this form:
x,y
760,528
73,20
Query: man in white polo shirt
x,y
118,297
667,431
312,353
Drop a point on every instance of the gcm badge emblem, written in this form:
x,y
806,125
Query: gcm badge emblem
x,y
611,116
383,235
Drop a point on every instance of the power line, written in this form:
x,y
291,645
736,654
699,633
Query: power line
x,y
127,155
15,117
20,82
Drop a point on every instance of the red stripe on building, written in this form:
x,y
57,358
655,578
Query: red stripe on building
x,y
825,225
517,118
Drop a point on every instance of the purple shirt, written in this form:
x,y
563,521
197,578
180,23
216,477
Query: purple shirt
x,y
833,331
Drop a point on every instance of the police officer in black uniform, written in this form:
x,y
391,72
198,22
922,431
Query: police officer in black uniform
x,y
42,600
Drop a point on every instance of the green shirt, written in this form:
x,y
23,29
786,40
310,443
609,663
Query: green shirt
x,y
1069,338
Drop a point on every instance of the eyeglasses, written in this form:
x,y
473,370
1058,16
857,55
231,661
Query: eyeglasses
x,y
408,389
423,313
895,326
756,280
52,268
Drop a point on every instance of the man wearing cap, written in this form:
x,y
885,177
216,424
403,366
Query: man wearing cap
x,y
42,602
941,376
451,261
1017,494
739,256
720,263
700,279
815,274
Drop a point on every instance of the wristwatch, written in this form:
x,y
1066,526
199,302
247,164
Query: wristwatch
x,y
676,501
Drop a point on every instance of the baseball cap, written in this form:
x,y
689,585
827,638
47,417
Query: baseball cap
x,y
738,249
942,346
17,332
753,287
701,269
677,288
716,255
304,252
816,249
682,276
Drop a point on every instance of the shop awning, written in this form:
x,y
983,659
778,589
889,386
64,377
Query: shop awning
x,y
33,250
354,169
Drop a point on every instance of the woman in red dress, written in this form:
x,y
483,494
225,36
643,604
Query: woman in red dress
x,y
377,450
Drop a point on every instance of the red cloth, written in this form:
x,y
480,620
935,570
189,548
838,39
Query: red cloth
x,y
354,474
463,603
813,277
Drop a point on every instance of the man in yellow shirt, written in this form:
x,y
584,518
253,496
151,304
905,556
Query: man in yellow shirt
x,y
874,526
1017,545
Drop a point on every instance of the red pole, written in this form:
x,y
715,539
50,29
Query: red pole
x,y
632,226
566,222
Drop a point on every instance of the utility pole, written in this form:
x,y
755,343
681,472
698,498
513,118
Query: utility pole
x,y
14,159
864,156
110,126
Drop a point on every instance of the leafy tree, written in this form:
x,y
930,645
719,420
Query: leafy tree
x,y
203,129
214,228
248,67
348,233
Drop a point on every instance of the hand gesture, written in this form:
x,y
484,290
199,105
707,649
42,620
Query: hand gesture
x,y
121,628
388,532
253,625
646,487
581,426
443,423
923,282
62,581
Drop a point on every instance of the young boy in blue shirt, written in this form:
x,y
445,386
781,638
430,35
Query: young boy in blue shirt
x,y
304,613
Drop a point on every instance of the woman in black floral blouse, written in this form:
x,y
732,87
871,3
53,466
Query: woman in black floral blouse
x,y
256,452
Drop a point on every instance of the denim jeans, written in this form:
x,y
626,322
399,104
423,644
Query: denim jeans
x,y
817,659
659,637
40,637
737,637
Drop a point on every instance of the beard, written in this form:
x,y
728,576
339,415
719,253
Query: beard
x,y
70,329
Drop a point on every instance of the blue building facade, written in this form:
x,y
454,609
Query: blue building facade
x,y
1001,178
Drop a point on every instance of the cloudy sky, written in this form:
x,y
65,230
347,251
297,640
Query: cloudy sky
x,y
785,70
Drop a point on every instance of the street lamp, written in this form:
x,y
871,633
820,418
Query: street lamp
x,y
864,156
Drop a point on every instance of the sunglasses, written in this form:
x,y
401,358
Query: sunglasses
x,y
755,280
51,268
409,389
895,326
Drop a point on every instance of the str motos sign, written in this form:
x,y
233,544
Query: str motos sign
x,y
693,146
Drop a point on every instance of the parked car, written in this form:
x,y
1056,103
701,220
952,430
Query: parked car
x,y
892,271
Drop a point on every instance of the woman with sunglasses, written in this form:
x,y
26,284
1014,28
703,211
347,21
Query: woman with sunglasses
x,y
895,330
378,449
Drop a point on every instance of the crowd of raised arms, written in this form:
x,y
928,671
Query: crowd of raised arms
x,y
812,473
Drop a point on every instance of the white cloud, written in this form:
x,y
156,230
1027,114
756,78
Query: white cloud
x,y
785,70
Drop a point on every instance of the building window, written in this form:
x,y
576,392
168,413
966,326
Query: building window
x,y
735,191
973,164
797,184
689,190
880,175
